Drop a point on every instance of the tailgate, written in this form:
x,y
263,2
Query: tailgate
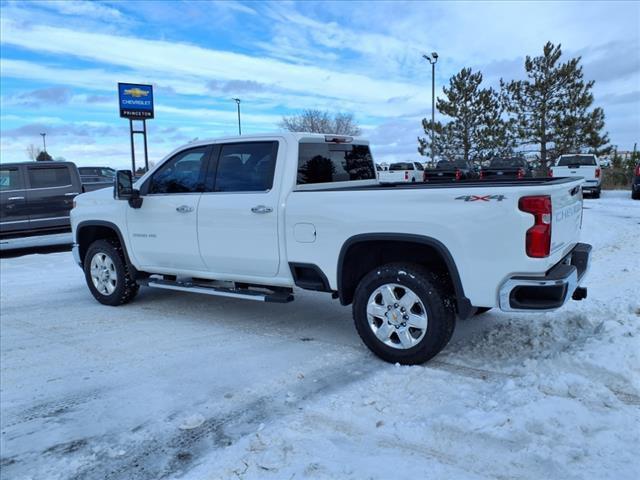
x,y
566,208
440,174
588,172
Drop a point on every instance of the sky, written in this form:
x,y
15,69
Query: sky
x,y
60,63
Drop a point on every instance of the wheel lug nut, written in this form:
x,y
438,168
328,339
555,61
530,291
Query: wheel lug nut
x,y
395,305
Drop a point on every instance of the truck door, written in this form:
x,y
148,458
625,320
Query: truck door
x,y
13,200
50,195
162,233
238,217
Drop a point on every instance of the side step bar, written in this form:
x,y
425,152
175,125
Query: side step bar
x,y
280,295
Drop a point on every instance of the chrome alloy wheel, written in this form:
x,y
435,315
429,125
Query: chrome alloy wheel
x,y
103,273
397,316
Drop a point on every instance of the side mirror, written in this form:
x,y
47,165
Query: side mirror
x,y
123,189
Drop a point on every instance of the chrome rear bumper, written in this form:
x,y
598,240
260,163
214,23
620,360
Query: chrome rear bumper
x,y
551,291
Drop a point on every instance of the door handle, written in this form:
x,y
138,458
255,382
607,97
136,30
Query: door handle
x,y
184,209
15,198
262,209
71,193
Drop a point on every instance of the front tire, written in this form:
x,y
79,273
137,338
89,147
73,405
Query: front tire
x,y
403,314
107,274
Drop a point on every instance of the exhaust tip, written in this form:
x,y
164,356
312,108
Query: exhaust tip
x,y
580,293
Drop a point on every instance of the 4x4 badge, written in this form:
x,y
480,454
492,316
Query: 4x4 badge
x,y
481,198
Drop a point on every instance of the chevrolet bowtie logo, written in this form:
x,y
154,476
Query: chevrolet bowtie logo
x,y
136,92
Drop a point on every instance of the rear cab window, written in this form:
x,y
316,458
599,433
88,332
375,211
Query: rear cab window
x,y
577,160
401,166
49,177
328,162
10,179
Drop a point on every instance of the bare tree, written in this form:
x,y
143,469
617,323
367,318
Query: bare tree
x,y
318,121
33,152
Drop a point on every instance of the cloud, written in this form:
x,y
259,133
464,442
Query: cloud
x,y
81,8
236,86
87,130
44,96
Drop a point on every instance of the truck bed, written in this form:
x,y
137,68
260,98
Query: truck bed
x,y
471,183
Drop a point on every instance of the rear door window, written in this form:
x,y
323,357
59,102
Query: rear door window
x,y
49,177
10,179
246,167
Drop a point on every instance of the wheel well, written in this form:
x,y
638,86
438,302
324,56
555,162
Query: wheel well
x,y
360,257
90,233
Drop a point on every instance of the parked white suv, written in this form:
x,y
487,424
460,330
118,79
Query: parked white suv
x,y
585,166
402,172
255,216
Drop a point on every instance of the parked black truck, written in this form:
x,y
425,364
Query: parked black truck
x,y
512,168
36,197
450,171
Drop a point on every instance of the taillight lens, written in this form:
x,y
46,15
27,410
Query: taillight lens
x,y
638,171
550,173
520,173
481,174
538,238
406,175
598,172
458,174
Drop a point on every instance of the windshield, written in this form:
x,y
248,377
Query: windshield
x,y
582,160
506,162
401,166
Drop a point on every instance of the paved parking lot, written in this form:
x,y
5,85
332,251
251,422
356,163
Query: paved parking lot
x,y
177,384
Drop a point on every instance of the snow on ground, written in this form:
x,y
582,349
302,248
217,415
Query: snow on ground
x,y
180,385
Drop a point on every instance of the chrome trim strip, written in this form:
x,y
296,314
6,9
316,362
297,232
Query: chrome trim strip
x,y
14,221
48,218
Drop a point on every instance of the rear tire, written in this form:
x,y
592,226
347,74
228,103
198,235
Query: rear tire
x,y
635,195
410,336
107,274
596,194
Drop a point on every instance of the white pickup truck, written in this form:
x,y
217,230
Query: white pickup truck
x,y
585,166
254,217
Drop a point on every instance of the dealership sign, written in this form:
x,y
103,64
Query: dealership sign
x,y
136,101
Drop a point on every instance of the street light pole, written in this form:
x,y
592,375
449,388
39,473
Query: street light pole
x,y
44,143
237,100
433,62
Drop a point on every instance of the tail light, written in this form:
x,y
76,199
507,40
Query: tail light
x,y
550,173
481,174
598,172
458,174
520,173
638,171
406,175
538,238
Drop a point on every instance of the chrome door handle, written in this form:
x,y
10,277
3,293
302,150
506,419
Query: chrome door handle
x,y
262,209
184,209
15,198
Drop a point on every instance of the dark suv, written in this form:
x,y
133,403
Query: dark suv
x,y
36,197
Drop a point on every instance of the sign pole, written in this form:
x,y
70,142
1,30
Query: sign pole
x,y
146,156
133,151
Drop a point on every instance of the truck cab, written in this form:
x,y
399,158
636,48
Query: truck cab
x,y
585,166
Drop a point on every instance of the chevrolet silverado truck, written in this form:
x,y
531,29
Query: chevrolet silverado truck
x,y
585,166
255,217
